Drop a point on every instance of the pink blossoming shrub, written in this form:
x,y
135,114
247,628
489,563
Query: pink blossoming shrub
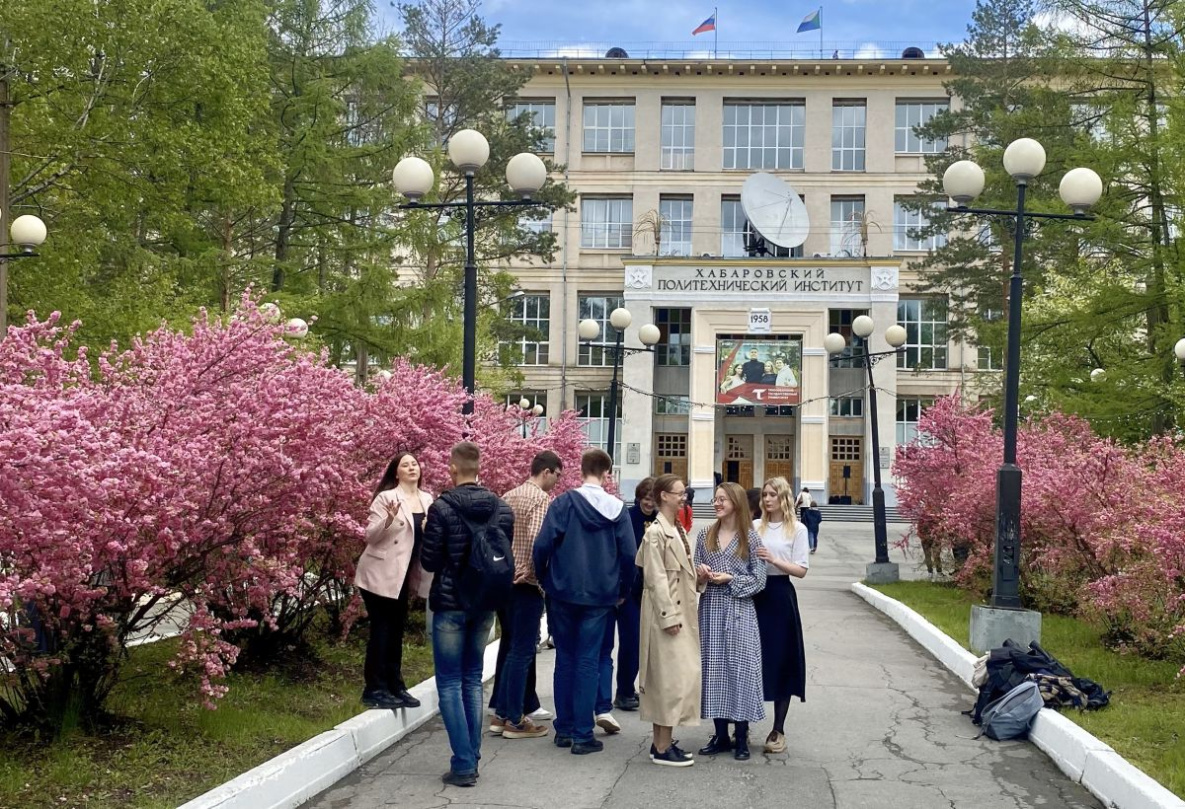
x,y
216,480
1103,530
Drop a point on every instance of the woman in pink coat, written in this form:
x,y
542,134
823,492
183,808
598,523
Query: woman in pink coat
x,y
388,573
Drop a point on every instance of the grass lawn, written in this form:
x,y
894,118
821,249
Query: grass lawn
x,y
1145,721
162,750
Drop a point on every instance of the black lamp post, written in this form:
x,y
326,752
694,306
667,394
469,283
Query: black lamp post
x,y
1081,188
27,233
469,151
620,319
881,570
526,410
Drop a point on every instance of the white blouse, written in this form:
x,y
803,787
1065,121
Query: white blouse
x,y
796,550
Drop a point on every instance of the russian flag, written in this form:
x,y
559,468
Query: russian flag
x,y
810,23
705,26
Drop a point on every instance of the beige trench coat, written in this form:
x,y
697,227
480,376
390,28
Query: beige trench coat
x,y
387,560
669,666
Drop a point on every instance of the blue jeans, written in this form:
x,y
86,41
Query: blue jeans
x,y
813,538
579,634
629,616
520,634
604,702
458,648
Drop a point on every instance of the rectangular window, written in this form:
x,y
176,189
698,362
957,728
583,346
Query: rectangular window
x,y
847,135
678,135
609,127
598,308
847,226
530,225
607,222
764,135
909,230
594,414
440,122
671,405
674,346
676,225
542,117
533,313
847,407
924,320
912,114
990,360
909,411
839,321
737,235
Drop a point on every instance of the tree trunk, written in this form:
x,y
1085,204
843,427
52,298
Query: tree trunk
x,y
284,234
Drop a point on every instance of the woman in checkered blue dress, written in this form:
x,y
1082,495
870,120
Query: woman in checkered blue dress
x,y
730,643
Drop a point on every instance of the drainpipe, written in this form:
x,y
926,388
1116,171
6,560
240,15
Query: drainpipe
x,y
564,249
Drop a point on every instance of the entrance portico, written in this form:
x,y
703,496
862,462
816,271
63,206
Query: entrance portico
x,y
698,429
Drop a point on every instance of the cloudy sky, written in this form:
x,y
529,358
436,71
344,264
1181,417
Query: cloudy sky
x,y
638,25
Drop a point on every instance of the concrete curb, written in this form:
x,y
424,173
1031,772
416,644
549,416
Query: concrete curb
x,y
294,776
1077,753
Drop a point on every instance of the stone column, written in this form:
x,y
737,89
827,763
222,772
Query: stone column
x,y
883,311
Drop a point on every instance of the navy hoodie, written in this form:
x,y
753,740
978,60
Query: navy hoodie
x,y
584,553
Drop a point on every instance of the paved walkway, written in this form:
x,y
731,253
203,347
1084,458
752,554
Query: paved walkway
x,y
881,728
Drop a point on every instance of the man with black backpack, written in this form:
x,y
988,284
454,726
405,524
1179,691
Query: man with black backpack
x,y
584,558
467,545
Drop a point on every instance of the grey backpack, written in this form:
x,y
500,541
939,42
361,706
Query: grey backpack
x,y
1009,717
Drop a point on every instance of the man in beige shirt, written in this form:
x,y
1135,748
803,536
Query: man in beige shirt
x,y
514,697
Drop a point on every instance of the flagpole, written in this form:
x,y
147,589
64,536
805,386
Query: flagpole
x,y
820,32
716,33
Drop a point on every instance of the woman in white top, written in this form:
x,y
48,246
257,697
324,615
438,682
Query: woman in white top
x,y
786,552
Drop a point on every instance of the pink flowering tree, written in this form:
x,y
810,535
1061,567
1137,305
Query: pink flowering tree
x,y
215,481
1103,531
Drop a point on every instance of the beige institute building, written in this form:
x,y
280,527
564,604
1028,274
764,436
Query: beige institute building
x,y
740,385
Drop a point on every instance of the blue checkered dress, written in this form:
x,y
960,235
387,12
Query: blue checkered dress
x,y
730,644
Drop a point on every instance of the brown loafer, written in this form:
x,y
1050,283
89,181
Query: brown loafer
x,y
775,742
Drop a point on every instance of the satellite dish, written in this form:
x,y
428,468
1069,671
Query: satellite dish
x,y
774,210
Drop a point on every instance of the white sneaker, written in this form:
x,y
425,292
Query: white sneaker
x,y
607,723
541,715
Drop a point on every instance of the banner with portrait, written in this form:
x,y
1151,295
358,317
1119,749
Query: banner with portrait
x,y
758,372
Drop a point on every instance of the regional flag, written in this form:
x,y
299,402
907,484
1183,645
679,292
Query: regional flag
x,y
705,26
810,23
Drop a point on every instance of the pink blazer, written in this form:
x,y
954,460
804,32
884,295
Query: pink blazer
x,y
387,560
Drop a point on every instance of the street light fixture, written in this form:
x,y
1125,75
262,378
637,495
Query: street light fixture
x,y
620,319
1080,188
27,233
469,150
881,570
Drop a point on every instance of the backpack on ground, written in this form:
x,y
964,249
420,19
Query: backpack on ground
x,y
1010,716
487,576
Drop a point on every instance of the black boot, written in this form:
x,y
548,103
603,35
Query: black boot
x,y
719,743
404,696
742,742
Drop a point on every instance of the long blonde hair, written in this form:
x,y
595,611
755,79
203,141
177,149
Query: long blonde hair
x,y
785,494
740,505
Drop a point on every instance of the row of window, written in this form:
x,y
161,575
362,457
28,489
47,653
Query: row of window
x,y
924,319
756,134
607,223
593,408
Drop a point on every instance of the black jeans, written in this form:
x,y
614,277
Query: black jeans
x,y
508,626
383,668
520,636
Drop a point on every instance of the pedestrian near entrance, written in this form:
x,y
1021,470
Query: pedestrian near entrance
x,y
520,619
584,557
642,515
726,554
785,551
459,631
804,500
388,574
669,677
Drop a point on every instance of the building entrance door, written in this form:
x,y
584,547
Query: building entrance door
x,y
738,460
670,454
779,457
846,484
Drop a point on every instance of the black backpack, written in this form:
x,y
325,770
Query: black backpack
x,y
487,576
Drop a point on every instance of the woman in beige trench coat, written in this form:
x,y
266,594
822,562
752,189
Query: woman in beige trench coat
x,y
669,670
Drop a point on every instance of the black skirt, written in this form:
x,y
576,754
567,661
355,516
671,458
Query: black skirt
x,y
783,655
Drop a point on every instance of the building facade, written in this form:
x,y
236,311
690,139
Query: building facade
x,y
658,151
